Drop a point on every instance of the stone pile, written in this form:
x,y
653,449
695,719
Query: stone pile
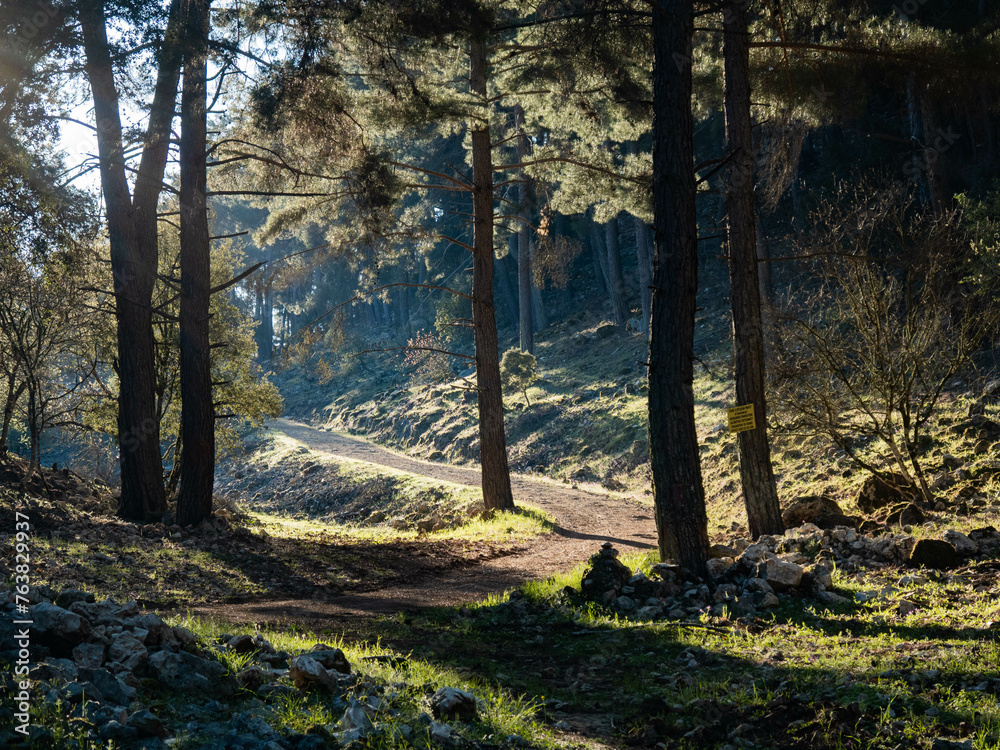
x,y
748,577
92,662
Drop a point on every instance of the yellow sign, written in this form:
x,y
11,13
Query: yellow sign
x,y
741,418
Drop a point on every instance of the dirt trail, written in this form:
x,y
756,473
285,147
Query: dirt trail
x,y
584,520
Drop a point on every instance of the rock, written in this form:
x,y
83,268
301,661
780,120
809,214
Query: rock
x,y
190,673
331,658
905,515
128,651
933,553
767,601
720,551
55,624
442,734
782,575
963,545
308,674
985,537
89,655
624,604
147,724
69,597
356,718
808,509
253,678
717,567
114,731
667,572
606,573
830,597
877,492
242,644
449,702
605,330
114,689
949,462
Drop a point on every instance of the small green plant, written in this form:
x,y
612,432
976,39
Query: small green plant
x,y
518,371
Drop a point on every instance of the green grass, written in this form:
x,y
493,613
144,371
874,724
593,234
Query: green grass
x,y
405,682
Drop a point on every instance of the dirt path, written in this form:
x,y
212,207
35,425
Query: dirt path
x,y
584,521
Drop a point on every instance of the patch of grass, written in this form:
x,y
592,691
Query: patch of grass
x,y
858,675
403,679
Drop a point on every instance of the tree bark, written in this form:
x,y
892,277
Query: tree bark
x,y
13,394
539,317
644,257
619,305
600,257
506,288
678,494
132,233
760,494
492,440
526,323
194,495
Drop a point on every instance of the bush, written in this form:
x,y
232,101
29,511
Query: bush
x,y
898,308
518,371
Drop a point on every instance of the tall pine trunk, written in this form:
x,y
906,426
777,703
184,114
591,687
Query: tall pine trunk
x,y
194,495
678,494
616,279
132,234
526,323
760,494
644,258
13,395
492,440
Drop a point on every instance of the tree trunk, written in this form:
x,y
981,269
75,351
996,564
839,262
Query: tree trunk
x,y
539,317
526,323
619,306
194,495
492,440
566,302
760,494
600,257
132,233
13,394
506,288
644,257
678,494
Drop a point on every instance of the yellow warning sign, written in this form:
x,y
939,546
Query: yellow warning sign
x,y
741,418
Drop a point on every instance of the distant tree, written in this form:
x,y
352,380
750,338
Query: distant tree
x,y
518,371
